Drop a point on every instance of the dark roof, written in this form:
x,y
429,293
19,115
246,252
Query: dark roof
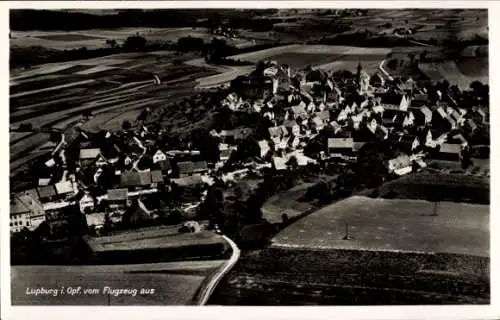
x,y
47,191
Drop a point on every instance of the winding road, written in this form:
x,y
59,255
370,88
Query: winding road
x,y
211,282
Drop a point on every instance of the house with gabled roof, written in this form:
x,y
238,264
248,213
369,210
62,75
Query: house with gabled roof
x,y
159,156
25,212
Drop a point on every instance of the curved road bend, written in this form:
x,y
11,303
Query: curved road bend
x,y
208,286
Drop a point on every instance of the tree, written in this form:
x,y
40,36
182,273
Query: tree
x,y
135,43
111,43
25,127
392,63
126,125
411,55
371,168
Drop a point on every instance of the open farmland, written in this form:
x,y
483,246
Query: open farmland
x,y
321,56
392,225
96,38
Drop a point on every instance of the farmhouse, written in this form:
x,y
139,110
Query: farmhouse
x,y
25,212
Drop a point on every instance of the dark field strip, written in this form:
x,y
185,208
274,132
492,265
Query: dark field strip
x,y
68,37
355,261
70,71
135,75
340,277
41,84
287,294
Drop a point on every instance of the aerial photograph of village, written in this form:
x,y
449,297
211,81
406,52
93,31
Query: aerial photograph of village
x,y
253,157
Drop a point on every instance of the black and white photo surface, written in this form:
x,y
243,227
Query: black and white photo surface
x,y
253,157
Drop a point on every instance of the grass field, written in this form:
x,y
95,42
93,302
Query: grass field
x,y
286,203
392,225
152,240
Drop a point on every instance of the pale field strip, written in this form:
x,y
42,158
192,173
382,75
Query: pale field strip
x,y
17,135
223,77
95,69
263,54
369,66
347,50
393,225
69,85
44,69
127,87
35,78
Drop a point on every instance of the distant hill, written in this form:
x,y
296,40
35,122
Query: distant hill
x,y
24,20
